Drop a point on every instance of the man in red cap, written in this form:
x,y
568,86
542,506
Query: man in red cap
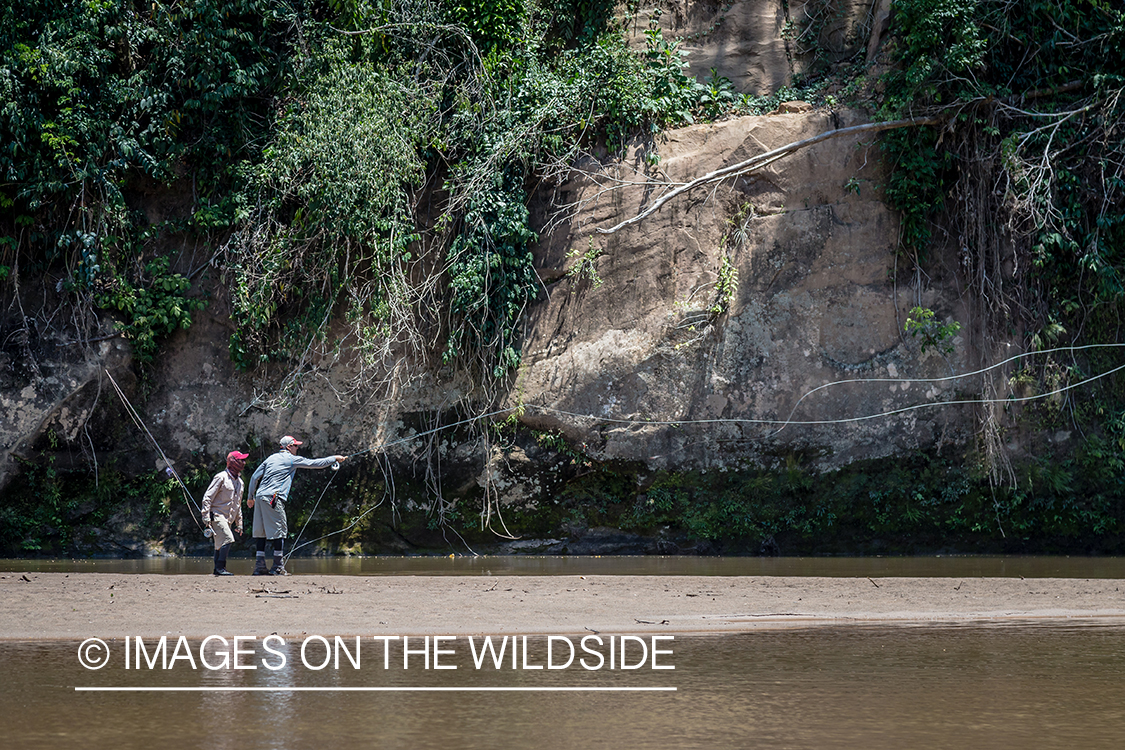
x,y
222,508
269,491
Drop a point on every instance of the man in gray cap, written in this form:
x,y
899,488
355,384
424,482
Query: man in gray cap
x,y
222,508
269,490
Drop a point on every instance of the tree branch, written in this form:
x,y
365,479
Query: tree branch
x,y
762,160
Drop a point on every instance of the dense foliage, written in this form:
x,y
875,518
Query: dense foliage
x,y
457,106
99,99
1025,177
309,133
1031,92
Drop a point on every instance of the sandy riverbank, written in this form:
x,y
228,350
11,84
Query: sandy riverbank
x,y
80,605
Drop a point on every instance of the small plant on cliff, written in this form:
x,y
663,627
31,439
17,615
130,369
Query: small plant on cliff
x,y
584,264
717,96
726,287
923,325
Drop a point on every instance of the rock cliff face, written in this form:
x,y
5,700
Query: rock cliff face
x,y
707,382
760,44
696,338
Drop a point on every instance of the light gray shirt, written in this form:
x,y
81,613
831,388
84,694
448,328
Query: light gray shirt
x,y
275,474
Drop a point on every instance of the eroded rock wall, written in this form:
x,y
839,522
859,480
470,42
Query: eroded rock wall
x,y
698,382
760,45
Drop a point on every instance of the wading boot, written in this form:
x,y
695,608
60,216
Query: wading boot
x,y
278,568
221,561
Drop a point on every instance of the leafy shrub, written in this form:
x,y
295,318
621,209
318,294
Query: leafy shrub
x,y
154,305
492,277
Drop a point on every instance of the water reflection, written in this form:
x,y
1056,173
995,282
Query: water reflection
x,y
924,567
1028,686
222,712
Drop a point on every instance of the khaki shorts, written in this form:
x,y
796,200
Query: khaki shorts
x,y
269,521
223,535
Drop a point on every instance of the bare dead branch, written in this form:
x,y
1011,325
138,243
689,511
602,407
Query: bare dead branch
x,y
762,160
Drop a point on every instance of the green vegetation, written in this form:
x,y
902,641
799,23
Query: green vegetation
x,y
302,140
584,266
358,175
1030,97
1025,171
55,512
909,505
726,286
912,504
101,99
923,325
154,306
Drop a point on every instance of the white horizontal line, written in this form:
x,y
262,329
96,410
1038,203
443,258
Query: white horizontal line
x,y
284,689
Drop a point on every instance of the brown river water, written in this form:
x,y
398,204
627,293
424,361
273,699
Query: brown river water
x,y
1010,686
910,567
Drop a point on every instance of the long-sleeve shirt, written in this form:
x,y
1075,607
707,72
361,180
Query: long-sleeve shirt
x,y
224,498
274,476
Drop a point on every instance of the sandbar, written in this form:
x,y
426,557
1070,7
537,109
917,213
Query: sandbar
x,y
64,606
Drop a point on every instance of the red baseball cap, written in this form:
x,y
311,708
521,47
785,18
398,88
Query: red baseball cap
x,y
289,440
237,455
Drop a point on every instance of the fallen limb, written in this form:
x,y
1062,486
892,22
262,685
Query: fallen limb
x,y
762,160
